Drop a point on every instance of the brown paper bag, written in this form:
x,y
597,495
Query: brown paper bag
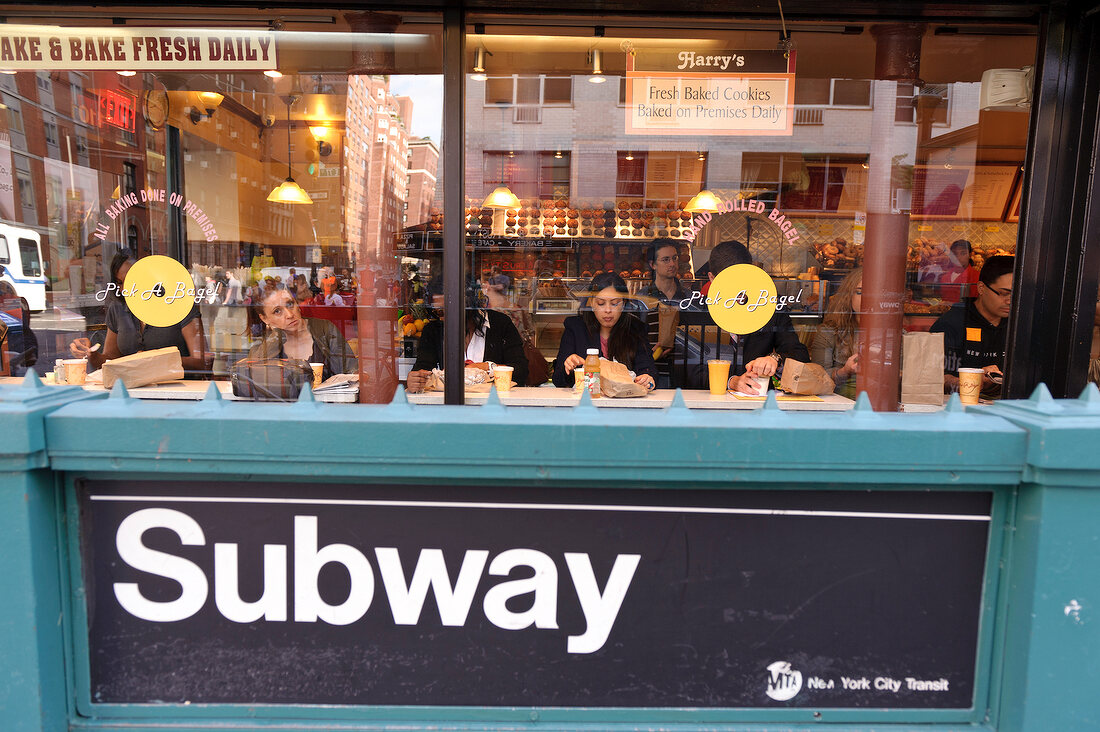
x,y
668,317
616,381
922,368
805,378
477,380
144,367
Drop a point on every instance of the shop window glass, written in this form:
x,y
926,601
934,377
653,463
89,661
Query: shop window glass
x,y
918,152
231,137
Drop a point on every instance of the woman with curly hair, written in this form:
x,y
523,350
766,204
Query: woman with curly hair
x,y
836,344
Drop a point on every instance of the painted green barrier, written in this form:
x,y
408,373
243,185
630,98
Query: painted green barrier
x,y
310,566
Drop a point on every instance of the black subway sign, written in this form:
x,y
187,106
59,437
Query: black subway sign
x,y
284,593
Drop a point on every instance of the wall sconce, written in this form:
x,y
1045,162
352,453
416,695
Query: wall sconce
x,y
702,156
479,64
629,155
596,58
320,134
208,101
557,154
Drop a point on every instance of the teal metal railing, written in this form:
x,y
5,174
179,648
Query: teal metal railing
x,y
1033,462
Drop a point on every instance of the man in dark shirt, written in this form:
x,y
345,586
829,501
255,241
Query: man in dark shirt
x,y
664,261
760,353
974,331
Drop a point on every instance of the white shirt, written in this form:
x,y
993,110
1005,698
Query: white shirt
x,y
475,350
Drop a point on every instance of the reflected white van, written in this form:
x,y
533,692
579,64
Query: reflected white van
x,y
21,258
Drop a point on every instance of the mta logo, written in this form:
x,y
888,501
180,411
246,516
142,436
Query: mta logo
x,y
783,681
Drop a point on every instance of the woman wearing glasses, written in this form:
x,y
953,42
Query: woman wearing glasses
x,y
974,332
836,344
602,324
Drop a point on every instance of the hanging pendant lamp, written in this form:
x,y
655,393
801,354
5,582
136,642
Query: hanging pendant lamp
x,y
288,191
703,202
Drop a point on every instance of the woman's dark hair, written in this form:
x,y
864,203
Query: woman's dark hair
x,y
122,256
623,340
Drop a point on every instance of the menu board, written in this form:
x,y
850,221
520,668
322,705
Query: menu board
x,y
1012,216
661,176
970,193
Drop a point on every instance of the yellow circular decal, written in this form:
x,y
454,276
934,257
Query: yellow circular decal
x,y
159,291
741,299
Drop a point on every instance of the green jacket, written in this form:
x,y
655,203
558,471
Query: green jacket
x,y
335,352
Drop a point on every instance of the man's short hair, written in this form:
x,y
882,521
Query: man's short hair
x,y
658,245
995,268
727,254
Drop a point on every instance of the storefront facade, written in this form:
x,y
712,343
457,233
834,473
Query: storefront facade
x,y
878,148
369,169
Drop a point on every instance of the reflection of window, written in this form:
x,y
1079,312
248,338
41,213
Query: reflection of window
x,y
659,176
936,102
15,115
529,90
833,92
81,145
129,178
823,183
528,174
132,238
26,190
51,133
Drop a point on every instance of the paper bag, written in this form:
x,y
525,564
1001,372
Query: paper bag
x,y
668,317
144,367
805,378
616,381
477,380
922,368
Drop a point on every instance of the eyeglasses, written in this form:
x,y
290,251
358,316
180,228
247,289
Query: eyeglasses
x,y
666,260
1003,294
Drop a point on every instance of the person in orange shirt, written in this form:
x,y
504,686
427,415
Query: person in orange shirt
x,y
328,283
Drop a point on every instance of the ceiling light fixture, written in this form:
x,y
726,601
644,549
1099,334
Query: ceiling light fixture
x,y
629,155
288,191
596,59
479,64
273,74
126,73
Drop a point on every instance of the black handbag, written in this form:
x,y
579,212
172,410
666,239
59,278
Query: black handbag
x,y
270,379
